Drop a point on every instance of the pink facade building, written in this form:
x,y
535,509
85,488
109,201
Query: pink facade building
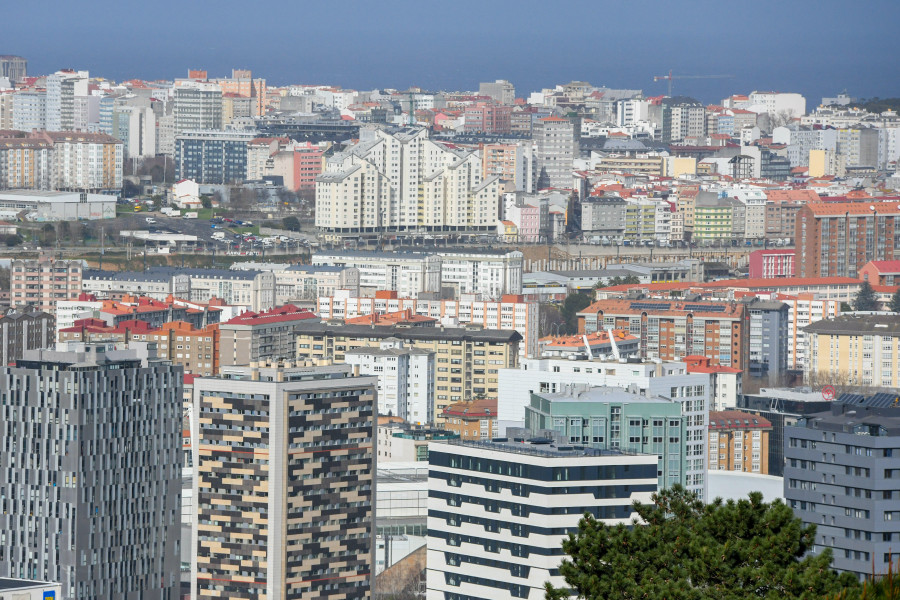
x,y
488,118
771,263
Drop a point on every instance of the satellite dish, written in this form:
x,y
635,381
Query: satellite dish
x,y
871,207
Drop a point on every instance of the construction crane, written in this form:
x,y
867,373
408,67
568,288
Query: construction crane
x,y
670,77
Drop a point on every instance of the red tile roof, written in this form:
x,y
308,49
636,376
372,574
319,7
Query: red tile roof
x,y
476,409
279,314
886,266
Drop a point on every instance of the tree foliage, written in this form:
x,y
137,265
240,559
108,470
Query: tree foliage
x,y
291,223
894,305
571,306
686,550
865,299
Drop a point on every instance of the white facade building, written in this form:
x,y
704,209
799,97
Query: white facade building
x,y
406,273
668,379
499,511
510,312
69,311
29,110
62,87
406,378
399,180
487,274
777,103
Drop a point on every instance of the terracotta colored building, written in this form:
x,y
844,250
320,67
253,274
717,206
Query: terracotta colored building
x,y
197,350
473,420
738,441
674,329
836,239
881,272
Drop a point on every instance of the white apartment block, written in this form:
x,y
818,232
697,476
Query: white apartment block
x,y
406,379
487,274
669,379
511,312
754,201
499,511
777,103
803,311
69,311
62,87
406,273
399,180
29,110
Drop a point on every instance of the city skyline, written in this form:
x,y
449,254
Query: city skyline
x,y
803,47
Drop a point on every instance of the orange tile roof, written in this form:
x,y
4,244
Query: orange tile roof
x,y
854,208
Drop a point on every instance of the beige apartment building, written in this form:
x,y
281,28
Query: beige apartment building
x,y
856,350
467,360
739,441
43,282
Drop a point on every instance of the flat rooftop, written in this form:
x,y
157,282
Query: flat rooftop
x,y
10,585
540,447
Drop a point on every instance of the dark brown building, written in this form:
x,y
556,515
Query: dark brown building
x,y
28,329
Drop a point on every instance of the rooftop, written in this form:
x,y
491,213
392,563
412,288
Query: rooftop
x,y
857,324
735,419
540,447
279,314
308,327
604,394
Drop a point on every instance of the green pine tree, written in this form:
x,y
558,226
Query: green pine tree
x,y
685,550
865,299
894,306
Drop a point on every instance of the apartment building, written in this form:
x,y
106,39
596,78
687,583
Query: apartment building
x,y
29,110
197,106
836,239
489,274
92,445
62,87
738,441
840,474
406,378
467,359
623,419
498,511
212,156
43,281
268,335
859,349
473,419
398,179
768,335
881,272
556,149
26,163
407,273
244,85
195,350
552,375
672,330
15,68
500,91
285,493
252,289
509,162
803,310
22,330
87,162
486,117
771,263
511,312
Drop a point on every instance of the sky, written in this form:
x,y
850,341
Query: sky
x,y
815,48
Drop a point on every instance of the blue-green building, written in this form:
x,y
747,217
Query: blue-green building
x,y
615,418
